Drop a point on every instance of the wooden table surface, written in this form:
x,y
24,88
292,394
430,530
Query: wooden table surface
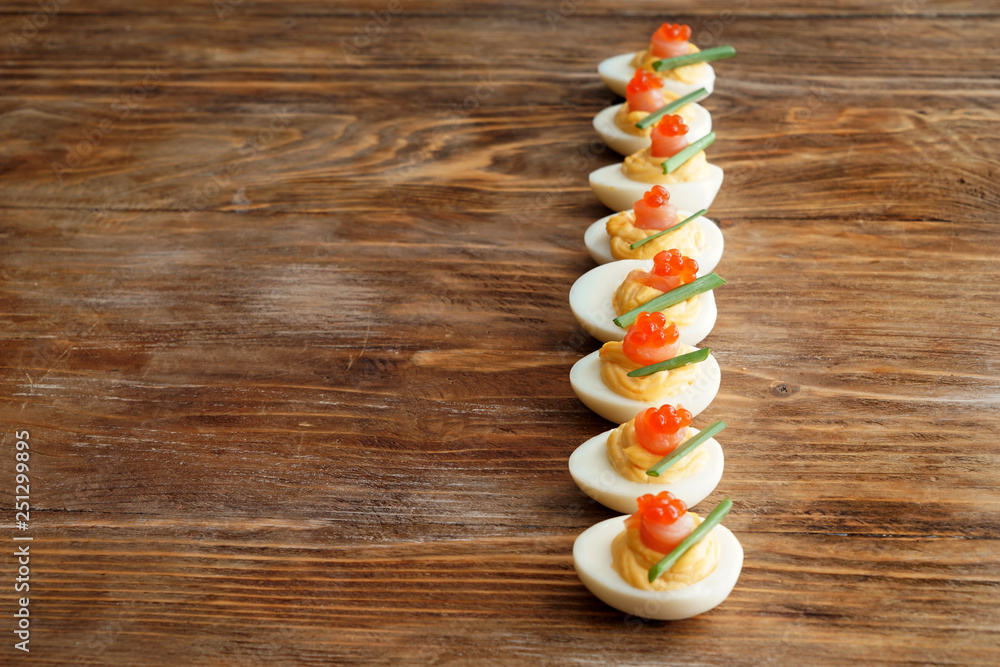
x,y
284,314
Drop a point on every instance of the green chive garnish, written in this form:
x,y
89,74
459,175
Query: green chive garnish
x,y
697,95
680,224
671,364
708,55
685,448
696,536
683,156
673,297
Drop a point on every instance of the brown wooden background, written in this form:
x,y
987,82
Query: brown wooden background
x,y
291,338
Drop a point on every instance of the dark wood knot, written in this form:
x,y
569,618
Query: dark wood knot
x,y
782,389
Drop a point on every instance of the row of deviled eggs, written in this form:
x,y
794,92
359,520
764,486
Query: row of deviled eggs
x,y
650,301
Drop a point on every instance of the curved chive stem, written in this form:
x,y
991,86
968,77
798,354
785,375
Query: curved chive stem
x,y
671,364
696,96
686,448
671,298
642,242
683,156
708,55
696,536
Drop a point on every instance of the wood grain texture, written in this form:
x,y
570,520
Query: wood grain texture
x,y
287,323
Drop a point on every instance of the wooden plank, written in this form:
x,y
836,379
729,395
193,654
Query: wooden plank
x,y
236,9
291,339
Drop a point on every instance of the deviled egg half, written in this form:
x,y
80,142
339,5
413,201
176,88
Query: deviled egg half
x,y
613,467
650,367
611,290
670,161
614,558
618,125
669,41
652,225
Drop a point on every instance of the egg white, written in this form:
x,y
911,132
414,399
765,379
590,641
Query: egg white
x,y
591,295
593,473
599,243
588,385
617,71
624,143
619,192
593,563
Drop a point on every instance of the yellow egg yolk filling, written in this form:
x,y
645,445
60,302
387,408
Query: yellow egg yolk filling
x,y
626,118
622,231
632,560
645,168
687,74
631,460
632,293
615,367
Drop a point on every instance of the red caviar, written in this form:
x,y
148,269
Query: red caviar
x,y
651,340
643,81
644,92
670,269
662,521
673,263
674,32
654,210
656,197
659,431
670,40
669,137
